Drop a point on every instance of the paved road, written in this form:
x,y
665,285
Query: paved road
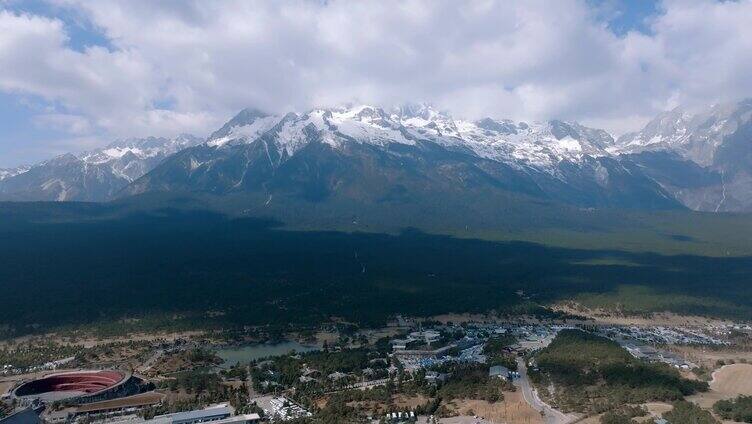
x,y
551,415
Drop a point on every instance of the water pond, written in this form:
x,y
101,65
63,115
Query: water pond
x,y
244,354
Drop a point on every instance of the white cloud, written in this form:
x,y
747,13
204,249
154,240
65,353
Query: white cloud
x,y
523,60
72,124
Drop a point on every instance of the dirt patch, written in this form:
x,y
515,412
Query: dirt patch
x,y
655,410
321,402
374,335
178,396
733,380
399,402
91,341
235,384
460,318
115,355
728,382
602,316
591,420
179,361
513,410
709,358
409,402
707,400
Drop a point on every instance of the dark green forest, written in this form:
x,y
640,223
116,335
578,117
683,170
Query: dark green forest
x,y
594,374
94,264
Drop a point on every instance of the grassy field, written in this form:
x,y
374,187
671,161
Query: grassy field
x,y
638,299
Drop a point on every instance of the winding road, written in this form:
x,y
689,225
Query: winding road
x,y
550,415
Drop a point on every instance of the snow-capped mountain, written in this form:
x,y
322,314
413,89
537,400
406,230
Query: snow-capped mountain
x,y
12,172
93,175
132,158
541,144
703,158
371,153
695,136
700,160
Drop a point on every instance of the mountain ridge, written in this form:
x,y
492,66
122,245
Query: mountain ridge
x,y
94,175
328,150
703,158
698,160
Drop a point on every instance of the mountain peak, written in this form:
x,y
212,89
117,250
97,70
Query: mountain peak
x,y
504,126
248,114
188,138
694,135
65,158
245,118
540,144
556,154
421,110
94,175
12,172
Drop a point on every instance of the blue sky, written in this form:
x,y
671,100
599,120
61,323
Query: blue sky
x,y
79,29
77,74
23,140
623,16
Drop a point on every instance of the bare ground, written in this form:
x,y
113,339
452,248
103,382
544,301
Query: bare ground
x,y
512,410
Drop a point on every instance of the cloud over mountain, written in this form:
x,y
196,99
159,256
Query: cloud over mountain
x,y
185,66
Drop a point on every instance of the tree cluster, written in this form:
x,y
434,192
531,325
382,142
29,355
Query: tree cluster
x,y
739,409
594,374
687,412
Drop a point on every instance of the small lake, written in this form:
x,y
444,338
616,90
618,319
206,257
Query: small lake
x,y
245,354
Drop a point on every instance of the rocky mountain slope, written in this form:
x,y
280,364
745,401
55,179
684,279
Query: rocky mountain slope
x,y
700,160
91,176
703,158
12,172
378,156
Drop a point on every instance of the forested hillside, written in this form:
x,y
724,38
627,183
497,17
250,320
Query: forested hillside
x,y
176,267
593,374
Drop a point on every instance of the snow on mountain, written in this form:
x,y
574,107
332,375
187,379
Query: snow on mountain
x,y
246,126
704,158
133,157
541,144
693,135
93,175
366,152
710,169
426,120
12,172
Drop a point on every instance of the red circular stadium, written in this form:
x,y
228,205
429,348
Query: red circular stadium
x,y
70,384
